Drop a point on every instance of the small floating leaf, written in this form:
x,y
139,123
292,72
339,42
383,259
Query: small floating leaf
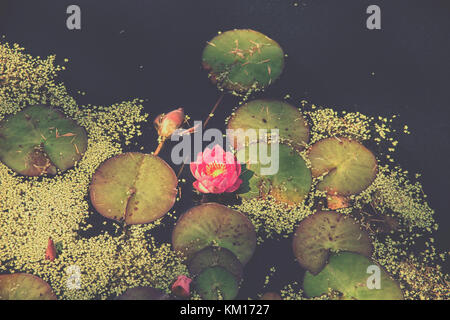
x,y
213,257
23,286
325,232
134,187
240,60
289,184
271,114
348,167
212,224
40,140
216,283
349,273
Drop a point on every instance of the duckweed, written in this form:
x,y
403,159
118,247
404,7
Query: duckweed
x,y
34,209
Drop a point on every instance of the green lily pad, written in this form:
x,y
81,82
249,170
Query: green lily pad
x,y
271,114
143,293
212,224
241,60
134,187
40,140
349,273
213,257
324,232
23,286
216,283
347,166
290,184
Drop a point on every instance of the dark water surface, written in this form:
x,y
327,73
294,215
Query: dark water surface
x,y
151,49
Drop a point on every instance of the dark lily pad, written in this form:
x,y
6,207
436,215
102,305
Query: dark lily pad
x,y
213,257
347,166
212,224
290,184
241,60
143,293
216,283
271,114
325,232
134,187
23,286
40,140
348,273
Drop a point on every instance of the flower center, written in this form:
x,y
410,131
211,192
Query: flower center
x,y
214,169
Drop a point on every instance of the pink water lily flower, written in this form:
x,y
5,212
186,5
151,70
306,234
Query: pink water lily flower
x,y
216,171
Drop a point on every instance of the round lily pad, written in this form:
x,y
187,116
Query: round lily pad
x,y
346,165
241,60
289,182
350,273
216,283
325,232
40,140
212,224
213,257
23,286
268,115
134,187
143,293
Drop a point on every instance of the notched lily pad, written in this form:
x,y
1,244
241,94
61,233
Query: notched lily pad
x,y
216,283
23,286
212,224
346,165
215,257
288,182
241,60
349,273
325,232
134,187
268,115
40,140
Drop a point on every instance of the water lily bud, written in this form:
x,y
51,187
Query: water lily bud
x,y
50,253
166,124
181,287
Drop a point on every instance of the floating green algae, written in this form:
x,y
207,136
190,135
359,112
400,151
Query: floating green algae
x,y
243,60
393,209
32,209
